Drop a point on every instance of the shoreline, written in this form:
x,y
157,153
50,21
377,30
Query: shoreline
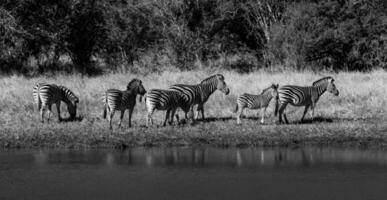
x,y
364,133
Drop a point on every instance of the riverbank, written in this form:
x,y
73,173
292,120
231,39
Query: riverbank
x,y
364,133
355,118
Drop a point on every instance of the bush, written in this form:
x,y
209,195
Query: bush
x,y
331,35
101,36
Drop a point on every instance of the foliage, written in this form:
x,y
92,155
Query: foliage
x,y
95,35
332,34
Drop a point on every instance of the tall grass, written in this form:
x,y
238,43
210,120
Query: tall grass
x,y
361,95
359,109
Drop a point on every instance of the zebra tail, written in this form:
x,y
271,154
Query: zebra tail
x,y
105,107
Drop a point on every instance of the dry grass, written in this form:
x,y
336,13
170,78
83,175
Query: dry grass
x,y
362,97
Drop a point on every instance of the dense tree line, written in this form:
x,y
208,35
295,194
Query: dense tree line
x,y
92,36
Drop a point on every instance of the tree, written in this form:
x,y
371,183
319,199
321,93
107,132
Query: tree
x,y
86,34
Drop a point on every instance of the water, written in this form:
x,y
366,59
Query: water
x,y
194,173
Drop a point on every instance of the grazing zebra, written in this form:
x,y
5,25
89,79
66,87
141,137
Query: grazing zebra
x,y
164,100
121,100
256,101
303,96
47,94
199,94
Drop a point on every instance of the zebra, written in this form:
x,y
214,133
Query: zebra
x,y
199,94
45,95
115,99
256,101
168,100
303,96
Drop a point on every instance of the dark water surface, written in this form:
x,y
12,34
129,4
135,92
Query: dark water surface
x,y
194,173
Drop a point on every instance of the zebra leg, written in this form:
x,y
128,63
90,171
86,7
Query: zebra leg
x,y
49,113
130,117
192,114
263,110
58,111
239,113
197,113
286,119
312,114
305,111
149,118
111,119
202,110
166,117
173,115
122,116
281,112
42,110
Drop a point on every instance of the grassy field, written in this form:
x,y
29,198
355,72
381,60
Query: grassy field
x,y
357,117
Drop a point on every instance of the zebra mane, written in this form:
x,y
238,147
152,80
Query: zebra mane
x,y
69,94
212,77
268,88
265,90
322,80
132,84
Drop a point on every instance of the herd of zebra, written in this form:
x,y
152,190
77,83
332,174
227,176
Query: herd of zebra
x,y
185,97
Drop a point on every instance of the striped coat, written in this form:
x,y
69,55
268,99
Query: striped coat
x,y
117,100
199,94
47,94
303,96
168,100
252,101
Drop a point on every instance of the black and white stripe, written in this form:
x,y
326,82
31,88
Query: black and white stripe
x,y
168,100
115,99
303,96
252,101
199,94
47,94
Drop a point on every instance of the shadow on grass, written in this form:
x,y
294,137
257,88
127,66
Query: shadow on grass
x,y
220,119
315,120
215,119
76,119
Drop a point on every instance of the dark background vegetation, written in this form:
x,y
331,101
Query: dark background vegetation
x,y
96,36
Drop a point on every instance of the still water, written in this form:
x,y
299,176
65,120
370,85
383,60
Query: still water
x,y
194,173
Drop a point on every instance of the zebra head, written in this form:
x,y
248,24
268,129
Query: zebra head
x,y
328,84
72,107
332,87
274,90
221,84
271,91
136,86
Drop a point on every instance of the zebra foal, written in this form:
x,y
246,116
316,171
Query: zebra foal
x,y
115,99
303,96
47,94
199,94
252,101
164,100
